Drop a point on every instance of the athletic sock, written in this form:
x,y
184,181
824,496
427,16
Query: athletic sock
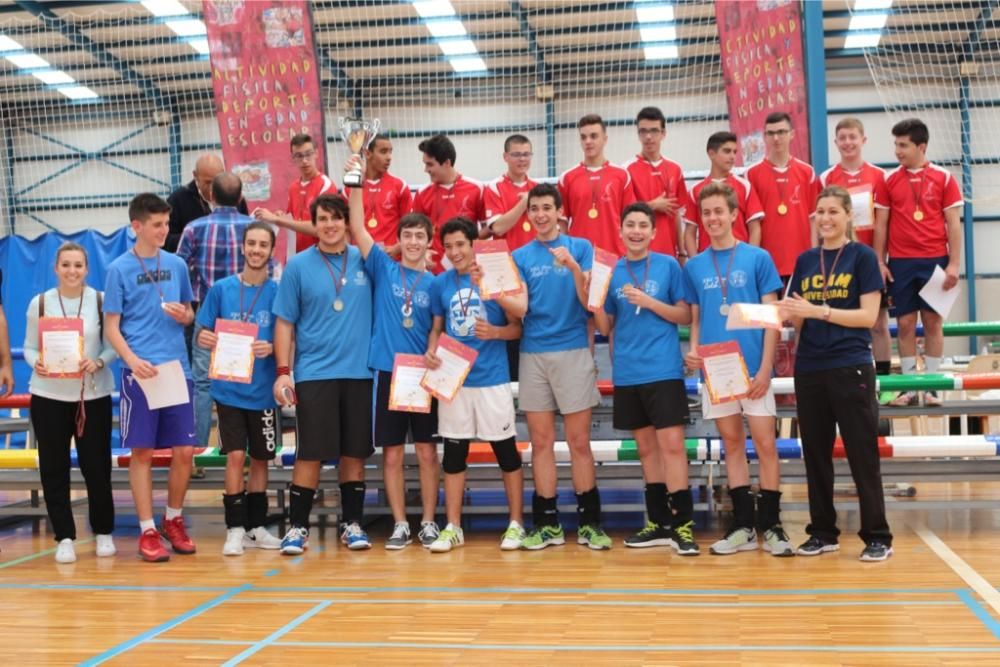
x,y
300,502
544,511
656,503
742,497
883,367
236,509
256,509
768,509
932,364
172,513
908,365
683,506
146,524
588,507
352,499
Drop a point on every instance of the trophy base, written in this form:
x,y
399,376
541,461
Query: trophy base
x,y
353,179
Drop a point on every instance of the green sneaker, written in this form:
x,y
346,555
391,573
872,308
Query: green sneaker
x,y
451,537
593,537
652,535
512,537
544,536
886,397
682,540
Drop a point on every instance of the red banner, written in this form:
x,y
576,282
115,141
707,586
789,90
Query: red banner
x,y
764,70
267,89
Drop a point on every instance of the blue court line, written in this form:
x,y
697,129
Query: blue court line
x,y
271,573
45,552
163,627
280,632
980,612
112,587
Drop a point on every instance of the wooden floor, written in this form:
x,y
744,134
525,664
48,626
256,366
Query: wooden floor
x,y
478,605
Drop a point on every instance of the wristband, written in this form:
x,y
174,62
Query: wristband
x,y
284,370
99,363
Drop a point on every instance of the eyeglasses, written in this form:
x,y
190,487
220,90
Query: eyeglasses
x,y
304,155
520,156
776,133
650,131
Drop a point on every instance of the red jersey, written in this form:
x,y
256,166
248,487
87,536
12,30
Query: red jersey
x,y
500,196
930,190
441,203
868,192
793,190
300,196
386,201
656,179
748,209
593,200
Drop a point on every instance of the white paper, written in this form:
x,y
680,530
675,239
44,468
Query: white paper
x,y
725,375
233,353
861,205
61,351
167,388
936,296
753,316
600,278
447,378
498,273
406,389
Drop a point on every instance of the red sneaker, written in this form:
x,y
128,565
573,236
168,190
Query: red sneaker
x,y
177,535
151,547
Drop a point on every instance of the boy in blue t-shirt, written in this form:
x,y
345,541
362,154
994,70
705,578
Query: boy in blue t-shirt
x,y
483,408
644,306
726,273
248,417
147,304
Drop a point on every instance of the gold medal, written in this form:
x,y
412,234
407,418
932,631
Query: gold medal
x,y
338,305
592,213
526,226
782,209
918,215
372,222
407,322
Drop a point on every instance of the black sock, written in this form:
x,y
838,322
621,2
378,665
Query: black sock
x,y
683,506
743,506
656,504
544,511
236,509
300,504
256,509
768,509
883,367
352,500
588,507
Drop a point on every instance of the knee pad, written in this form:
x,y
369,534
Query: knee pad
x,y
508,458
455,454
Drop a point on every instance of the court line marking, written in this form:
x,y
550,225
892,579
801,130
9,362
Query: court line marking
x,y
163,627
277,634
599,603
966,573
46,552
114,587
980,612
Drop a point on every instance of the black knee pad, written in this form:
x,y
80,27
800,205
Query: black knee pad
x,y
508,458
455,454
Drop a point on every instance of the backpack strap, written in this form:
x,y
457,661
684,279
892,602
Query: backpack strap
x,y
100,313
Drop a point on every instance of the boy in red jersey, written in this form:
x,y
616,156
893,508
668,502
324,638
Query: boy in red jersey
x,y
595,192
505,200
387,198
924,231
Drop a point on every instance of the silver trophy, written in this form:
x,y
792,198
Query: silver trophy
x,y
358,135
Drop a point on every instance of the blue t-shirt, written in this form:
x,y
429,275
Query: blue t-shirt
x,y
223,302
446,301
389,336
555,321
751,276
129,291
646,346
329,345
824,345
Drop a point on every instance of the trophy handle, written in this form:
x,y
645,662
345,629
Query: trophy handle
x,y
376,125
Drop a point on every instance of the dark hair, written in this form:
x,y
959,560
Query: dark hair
x,y
378,138
460,224
515,139
591,119
331,204
717,139
415,220
843,198
777,117
259,224
440,148
641,207
545,190
299,139
719,190
914,128
651,113
146,204
227,189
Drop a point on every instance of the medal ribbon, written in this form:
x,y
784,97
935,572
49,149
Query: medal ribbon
x,y
329,267
724,279
81,409
245,315
645,274
822,268
142,265
595,191
408,295
918,193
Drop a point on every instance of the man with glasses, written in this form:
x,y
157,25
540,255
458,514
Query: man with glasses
x,y
660,183
311,184
506,199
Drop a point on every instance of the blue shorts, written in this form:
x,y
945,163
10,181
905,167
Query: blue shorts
x,y
142,428
909,275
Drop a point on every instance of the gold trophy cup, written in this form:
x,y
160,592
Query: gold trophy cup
x,y
358,135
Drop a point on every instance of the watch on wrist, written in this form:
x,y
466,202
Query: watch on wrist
x,y
100,364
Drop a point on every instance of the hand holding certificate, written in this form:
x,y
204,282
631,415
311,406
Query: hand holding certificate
x,y
499,273
456,360
936,296
753,316
60,341
168,387
600,278
405,392
726,376
232,357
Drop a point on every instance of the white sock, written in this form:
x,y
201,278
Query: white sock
x,y
146,524
908,365
932,364
172,513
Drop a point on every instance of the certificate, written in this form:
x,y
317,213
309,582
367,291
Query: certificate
x,y
405,392
500,276
444,381
753,316
726,376
600,278
232,358
168,387
936,296
60,341
862,207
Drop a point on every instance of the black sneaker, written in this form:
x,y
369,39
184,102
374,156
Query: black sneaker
x,y
682,540
652,535
875,552
815,546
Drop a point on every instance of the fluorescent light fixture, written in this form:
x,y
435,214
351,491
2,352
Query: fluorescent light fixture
x,y
868,22
862,40
447,28
661,52
199,45
467,64
78,93
433,8
53,77
165,7
658,33
865,5
187,27
28,61
457,47
658,13
8,44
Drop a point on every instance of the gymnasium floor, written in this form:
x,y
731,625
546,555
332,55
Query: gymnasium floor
x,y
934,603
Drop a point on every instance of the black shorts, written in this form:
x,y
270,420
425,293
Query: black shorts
x,y
909,275
333,419
256,430
658,404
392,426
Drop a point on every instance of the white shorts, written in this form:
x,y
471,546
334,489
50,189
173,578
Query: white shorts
x,y
760,407
483,413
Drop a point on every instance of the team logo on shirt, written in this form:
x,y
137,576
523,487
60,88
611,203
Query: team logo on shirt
x,y
652,287
421,298
459,323
542,270
360,278
738,278
162,276
811,287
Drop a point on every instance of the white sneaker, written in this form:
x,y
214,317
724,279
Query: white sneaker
x,y
105,546
234,542
259,538
513,537
451,537
65,553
